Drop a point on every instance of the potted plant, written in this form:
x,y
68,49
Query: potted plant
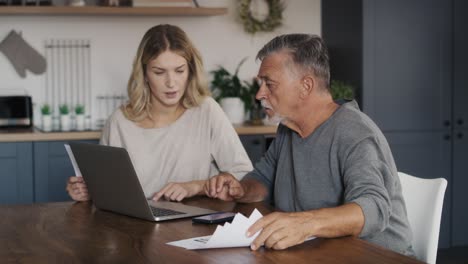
x,y
256,113
65,123
341,90
46,117
79,117
231,93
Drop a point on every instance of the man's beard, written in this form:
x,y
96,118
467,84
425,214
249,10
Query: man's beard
x,y
276,118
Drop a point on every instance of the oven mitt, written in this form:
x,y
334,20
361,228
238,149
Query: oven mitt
x,y
22,55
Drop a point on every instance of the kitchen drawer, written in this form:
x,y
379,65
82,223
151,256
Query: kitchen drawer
x,y
7,150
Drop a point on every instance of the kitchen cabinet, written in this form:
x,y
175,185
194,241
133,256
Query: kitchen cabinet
x,y
16,173
255,146
38,171
409,60
460,125
52,167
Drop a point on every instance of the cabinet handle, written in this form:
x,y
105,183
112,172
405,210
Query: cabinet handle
x,y
447,137
460,121
447,123
460,135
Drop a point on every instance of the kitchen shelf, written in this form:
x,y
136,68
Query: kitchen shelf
x,y
110,11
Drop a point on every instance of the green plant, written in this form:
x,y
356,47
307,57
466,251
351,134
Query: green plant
x,y
249,97
79,109
341,90
45,109
64,110
225,84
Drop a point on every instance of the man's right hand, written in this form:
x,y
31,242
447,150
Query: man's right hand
x,y
224,187
76,188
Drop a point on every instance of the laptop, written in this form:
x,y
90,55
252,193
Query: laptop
x,y
114,186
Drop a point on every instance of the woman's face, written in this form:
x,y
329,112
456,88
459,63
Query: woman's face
x,y
167,77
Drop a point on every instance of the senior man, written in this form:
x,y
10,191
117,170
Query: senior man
x,y
330,168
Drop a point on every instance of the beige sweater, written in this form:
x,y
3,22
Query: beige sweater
x,y
198,145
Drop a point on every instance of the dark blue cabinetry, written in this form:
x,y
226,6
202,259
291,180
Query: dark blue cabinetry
x,y
38,171
460,125
255,146
409,60
52,167
16,173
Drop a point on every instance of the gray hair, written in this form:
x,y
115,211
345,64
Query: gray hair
x,y
307,51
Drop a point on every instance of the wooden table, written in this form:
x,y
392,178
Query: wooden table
x,y
78,233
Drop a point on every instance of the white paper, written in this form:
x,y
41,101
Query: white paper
x,y
229,235
73,161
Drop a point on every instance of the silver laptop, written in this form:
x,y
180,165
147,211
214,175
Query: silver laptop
x,y
114,186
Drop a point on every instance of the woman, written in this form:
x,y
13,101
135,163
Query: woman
x,y
177,136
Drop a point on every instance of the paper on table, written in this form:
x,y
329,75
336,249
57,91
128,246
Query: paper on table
x,y
73,161
229,235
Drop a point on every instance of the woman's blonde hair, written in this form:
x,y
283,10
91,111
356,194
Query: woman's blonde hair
x,y
157,40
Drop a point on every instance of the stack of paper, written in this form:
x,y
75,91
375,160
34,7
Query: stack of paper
x,y
229,235
163,3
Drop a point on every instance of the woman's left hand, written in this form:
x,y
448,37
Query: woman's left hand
x,y
176,191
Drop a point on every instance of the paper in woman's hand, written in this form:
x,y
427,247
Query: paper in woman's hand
x,y
73,161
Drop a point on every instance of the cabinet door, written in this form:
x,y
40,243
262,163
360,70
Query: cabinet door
x,y
254,145
407,62
52,169
460,115
460,92
460,184
426,155
16,176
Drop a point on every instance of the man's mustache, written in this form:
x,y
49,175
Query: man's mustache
x,y
265,104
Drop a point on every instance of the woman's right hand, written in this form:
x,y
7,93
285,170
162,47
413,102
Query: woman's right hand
x,y
76,188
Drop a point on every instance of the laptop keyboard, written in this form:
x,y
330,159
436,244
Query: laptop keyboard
x,y
164,212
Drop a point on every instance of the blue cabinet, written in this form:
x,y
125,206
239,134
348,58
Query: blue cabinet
x,y
460,125
411,108
52,167
255,146
16,173
409,60
38,171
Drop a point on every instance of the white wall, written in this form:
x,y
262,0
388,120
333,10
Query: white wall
x,y
114,39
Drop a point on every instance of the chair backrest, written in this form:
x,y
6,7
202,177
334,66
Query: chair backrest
x,y
424,199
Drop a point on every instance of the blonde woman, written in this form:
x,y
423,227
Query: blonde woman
x,y
176,134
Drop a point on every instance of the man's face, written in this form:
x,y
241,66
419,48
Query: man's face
x,y
278,91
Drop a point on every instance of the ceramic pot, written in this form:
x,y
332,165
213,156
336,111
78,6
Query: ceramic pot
x,y
80,122
234,109
47,123
65,122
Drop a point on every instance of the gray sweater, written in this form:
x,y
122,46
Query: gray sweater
x,y
346,159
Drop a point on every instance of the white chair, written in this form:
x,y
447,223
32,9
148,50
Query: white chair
x,y
424,199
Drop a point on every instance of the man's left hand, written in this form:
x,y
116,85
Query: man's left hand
x,y
281,230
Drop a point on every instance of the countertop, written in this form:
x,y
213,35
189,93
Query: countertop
x,y
21,135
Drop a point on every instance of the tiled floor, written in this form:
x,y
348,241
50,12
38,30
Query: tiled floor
x,y
455,255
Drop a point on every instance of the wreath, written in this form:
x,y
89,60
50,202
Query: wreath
x,y
272,21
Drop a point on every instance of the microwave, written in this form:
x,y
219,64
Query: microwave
x,y
16,111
